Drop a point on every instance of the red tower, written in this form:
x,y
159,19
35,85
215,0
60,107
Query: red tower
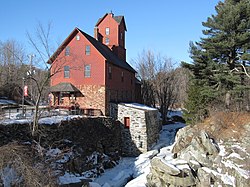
x,y
110,30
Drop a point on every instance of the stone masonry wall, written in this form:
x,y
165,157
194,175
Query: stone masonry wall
x,y
93,97
143,130
153,127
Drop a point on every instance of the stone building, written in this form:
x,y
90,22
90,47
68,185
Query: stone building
x,y
140,126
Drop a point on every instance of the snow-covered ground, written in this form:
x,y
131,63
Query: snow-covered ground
x,y
138,168
14,118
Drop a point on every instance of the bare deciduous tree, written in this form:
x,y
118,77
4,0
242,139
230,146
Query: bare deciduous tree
x,y
160,81
12,57
41,42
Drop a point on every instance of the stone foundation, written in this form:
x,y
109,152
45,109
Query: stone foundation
x,y
92,97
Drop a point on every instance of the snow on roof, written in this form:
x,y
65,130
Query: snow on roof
x,y
139,106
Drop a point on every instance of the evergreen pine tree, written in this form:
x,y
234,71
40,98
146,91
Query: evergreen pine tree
x,y
220,59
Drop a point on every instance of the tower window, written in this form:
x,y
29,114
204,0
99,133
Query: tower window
x,y
66,71
77,37
107,30
87,71
121,35
107,41
67,51
87,49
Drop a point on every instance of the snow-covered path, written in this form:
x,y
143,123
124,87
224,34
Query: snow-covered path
x,y
138,167
119,174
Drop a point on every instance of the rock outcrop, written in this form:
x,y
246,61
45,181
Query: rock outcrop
x,y
199,161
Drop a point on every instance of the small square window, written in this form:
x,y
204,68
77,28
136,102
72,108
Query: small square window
x,y
107,31
77,37
106,41
87,49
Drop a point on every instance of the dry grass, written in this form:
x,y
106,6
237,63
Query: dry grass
x,y
225,125
21,159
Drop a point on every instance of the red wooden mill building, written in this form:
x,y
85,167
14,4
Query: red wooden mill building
x,y
92,72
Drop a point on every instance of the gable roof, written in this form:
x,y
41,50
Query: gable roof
x,y
62,46
118,19
64,87
103,49
107,53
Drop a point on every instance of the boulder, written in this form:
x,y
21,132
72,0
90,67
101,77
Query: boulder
x,y
183,139
201,149
163,166
163,173
205,177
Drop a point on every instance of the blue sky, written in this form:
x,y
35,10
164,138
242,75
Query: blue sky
x,y
162,26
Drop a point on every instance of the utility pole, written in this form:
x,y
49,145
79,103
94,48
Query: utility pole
x,y
30,73
23,99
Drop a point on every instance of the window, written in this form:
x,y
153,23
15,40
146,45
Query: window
x,y
121,35
77,37
127,122
67,51
87,49
107,31
106,41
110,73
66,71
122,77
87,71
